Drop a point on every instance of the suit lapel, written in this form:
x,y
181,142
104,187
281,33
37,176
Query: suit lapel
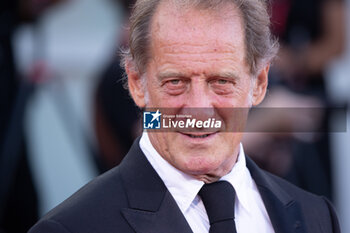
x,y
152,208
284,212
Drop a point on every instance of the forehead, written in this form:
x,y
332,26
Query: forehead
x,y
176,26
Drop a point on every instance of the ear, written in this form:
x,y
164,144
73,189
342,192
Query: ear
x,y
260,86
135,85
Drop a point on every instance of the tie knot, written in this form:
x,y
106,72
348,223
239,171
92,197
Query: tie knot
x,y
219,201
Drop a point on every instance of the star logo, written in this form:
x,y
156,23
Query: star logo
x,y
155,115
151,120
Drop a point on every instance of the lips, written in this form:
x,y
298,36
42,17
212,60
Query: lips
x,y
197,135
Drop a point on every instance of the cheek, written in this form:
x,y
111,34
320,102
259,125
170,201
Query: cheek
x,y
160,99
241,97
244,97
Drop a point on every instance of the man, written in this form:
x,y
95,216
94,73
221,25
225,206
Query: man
x,y
184,54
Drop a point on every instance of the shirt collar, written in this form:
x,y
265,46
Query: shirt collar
x,y
241,180
184,188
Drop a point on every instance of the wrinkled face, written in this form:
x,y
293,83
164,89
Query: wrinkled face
x,y
198,61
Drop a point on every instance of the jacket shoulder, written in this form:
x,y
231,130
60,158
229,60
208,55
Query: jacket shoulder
x,y
317,210
93,208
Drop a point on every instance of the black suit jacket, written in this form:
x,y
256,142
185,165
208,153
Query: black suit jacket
x,y
132,198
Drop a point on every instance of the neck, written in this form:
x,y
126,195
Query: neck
x,y
215,176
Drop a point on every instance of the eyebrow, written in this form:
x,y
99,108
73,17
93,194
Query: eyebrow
x,y
225,74
170,74
175,74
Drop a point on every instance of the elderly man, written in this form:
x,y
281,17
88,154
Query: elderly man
x,y
210,54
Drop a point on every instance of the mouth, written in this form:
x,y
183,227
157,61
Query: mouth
x,y
198,135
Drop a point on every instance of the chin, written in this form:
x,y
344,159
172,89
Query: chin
x,y
200,166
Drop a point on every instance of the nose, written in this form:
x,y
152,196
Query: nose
x,y
200,102
199,94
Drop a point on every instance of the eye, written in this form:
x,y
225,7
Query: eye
x,y
174,86
222,81
222,86
175,81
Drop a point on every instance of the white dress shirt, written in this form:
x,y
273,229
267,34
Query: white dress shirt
x,y
250,213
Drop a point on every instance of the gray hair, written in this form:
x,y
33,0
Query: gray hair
x,y
261,46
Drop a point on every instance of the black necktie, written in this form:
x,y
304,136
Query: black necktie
x,y
219,201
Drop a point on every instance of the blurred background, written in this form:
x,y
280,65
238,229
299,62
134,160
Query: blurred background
x,y
66,118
